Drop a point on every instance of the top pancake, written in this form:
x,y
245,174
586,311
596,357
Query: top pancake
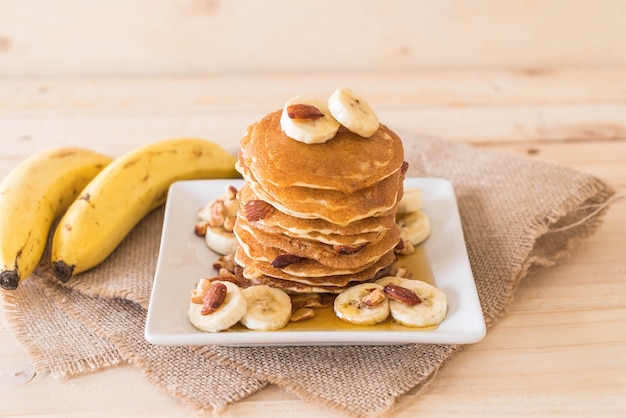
x,y
347,162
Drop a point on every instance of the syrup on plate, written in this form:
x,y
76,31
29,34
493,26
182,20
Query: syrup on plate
x,y
416,265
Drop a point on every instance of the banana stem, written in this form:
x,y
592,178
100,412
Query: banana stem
x,y
9,279
62,271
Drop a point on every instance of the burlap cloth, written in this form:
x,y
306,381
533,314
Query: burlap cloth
x,y
518,214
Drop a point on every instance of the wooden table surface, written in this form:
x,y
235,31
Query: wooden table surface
x,y
560,349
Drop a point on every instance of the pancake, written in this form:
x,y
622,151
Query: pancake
x,y
330,239
292,287
323,212
346,163
326,239
331,205
260,245
257,268
298,227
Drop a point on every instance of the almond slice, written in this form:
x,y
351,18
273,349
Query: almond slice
x,y
402,294
255,210
284,260
348,249
213,298
304,111
375,297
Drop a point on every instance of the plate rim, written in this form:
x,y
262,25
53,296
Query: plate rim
x,y
471,328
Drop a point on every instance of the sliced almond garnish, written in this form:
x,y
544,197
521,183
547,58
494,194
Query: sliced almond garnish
x,y
213,298
348,249
225,262
200,228
374,297
402,294
218,213
405,247
255,210
201,288
229,224
231,192
402,272
304,111
283,260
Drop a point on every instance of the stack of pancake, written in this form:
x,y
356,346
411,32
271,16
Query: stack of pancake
x,y
317,217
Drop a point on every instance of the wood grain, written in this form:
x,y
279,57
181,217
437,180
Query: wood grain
x,y
139,37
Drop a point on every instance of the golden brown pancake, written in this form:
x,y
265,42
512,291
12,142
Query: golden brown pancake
x,y
257,268
299,227
347,162
330,239
337,207
317,217
260,245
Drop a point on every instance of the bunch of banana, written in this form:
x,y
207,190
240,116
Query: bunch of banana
x,y
123,193
32,196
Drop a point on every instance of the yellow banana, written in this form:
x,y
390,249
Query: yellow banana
x,y
124,193
32,196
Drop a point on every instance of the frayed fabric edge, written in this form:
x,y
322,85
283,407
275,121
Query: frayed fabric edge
x,y
524,261
13,309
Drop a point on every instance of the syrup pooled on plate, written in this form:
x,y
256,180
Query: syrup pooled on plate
x,y
417,267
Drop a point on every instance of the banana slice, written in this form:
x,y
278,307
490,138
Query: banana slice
x,y
218,219
412,200
353,112
220,240
429,312
269,308
414,226
225,316
308,120
351,305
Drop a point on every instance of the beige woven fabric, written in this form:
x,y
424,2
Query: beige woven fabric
x,y
518,214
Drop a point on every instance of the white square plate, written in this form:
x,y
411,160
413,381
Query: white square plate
x,y
184,259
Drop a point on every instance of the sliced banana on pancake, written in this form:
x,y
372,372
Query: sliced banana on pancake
x,y
411,201
220,240
414,226
353,112
269,308
429,311
308,120
362,304
227,314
